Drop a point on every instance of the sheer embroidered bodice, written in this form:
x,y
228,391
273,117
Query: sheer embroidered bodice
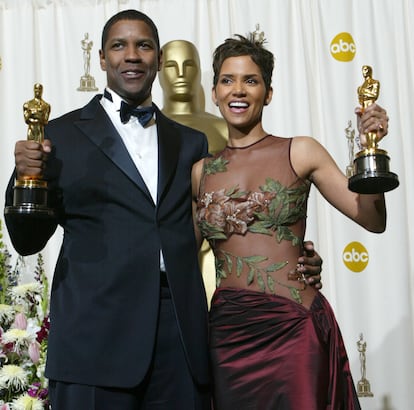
x,y
252,209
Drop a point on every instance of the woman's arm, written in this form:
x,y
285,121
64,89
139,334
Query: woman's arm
x,y
312,161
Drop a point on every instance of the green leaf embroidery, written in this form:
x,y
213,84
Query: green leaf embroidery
x,y
254,260
295,294
235,193
220,272
271,283
286,207
225,264
211,232
229,262
261,283
215,165
250,276
239,266
276,266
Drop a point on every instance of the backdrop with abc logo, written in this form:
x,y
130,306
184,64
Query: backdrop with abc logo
x,y
320,48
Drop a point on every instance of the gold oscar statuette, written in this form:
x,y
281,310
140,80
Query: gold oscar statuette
x,y
371,173
87,82
363,385
30,192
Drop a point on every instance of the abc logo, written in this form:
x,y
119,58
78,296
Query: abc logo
x,y
343,47
355,257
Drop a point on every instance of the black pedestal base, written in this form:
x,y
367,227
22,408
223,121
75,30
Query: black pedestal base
x,y
372,174
30,199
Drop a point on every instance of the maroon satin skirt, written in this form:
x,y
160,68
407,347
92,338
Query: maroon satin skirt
x,y
269,352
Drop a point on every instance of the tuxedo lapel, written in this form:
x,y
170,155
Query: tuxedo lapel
x,y
96,125
169,145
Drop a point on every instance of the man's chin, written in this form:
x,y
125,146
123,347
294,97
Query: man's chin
x,y
135,97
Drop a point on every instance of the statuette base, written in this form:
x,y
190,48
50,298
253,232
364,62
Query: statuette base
x,y
87,83
364,389
371,174
30,199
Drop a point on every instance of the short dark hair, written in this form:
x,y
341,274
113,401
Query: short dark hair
x,y
241,46
129,15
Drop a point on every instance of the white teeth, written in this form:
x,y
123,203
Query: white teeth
x,y
238,104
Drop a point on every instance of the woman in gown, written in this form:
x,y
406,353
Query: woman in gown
x,y
275,343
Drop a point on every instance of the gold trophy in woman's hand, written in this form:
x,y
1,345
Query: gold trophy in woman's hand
x,y
371,173
30,192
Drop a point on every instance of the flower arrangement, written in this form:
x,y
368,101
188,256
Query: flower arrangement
x,y
24,328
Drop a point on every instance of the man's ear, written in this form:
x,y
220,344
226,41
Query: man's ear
x,y
160,60
102,61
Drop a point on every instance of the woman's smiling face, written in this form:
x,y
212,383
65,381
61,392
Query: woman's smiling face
x,y
240,92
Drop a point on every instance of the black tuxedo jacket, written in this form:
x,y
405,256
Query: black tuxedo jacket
x,y
105,290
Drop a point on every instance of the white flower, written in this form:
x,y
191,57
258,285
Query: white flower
x,y
25,402
12,377
25,291
19,337
32,325
40,372
6,313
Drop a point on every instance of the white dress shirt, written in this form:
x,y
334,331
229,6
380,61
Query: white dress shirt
x,y
141,143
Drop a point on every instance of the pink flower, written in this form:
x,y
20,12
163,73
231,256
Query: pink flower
x,y
34,352
5,407
20,322
237,216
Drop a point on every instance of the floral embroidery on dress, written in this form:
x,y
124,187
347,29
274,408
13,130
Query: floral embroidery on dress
x,y
271,210
225,212
286,207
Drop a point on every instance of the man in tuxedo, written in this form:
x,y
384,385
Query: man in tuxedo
x,y
128,307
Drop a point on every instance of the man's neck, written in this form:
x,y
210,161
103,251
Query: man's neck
x,y
147,102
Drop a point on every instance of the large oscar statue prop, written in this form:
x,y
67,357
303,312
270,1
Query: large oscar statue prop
x,y
30,192
184,102
371,173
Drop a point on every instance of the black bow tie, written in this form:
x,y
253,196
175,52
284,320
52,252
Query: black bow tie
x,y
144,114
